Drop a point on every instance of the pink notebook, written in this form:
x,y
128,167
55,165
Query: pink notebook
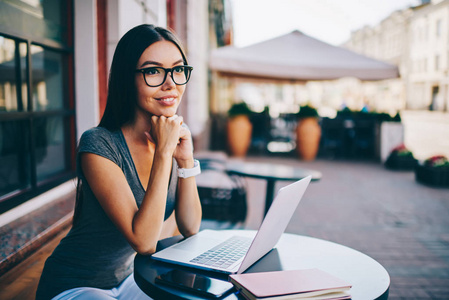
x,y
309,282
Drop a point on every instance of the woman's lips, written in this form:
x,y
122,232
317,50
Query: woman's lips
x,y
168,101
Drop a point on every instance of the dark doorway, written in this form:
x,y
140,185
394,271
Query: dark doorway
x,y
435,98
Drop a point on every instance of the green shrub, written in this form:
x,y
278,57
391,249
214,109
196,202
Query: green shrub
x,y
307,111
240,108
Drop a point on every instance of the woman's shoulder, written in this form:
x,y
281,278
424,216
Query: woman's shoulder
x,y
102,142
98,134
99,137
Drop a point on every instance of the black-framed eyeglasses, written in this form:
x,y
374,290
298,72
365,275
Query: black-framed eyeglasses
x,y
156,76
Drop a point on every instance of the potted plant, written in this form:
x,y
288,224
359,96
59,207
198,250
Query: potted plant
x,y
400,158
433,171
308,132
239,129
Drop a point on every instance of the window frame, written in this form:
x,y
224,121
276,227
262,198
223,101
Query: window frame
x,y
28,116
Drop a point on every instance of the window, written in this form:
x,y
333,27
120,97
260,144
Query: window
x,y
438,28
437,62
447,60
37,116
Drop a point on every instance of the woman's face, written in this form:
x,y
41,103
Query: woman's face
x,y
162,100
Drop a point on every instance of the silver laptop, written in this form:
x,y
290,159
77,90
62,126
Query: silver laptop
x,y
226,252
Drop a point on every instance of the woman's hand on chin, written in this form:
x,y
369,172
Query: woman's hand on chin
x,y
165,133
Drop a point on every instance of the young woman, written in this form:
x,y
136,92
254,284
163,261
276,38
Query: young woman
x,y
129,192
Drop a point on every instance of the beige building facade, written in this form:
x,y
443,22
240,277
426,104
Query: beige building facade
x,y
429,57
417,41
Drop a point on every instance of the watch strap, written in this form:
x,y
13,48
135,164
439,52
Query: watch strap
x,y
186,173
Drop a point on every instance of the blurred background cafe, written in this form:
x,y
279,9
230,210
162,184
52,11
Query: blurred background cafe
x,y
381,86
270,79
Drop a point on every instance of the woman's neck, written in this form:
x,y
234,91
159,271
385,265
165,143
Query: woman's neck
x,y
136,130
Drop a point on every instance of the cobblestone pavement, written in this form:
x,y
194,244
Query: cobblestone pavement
x,y
385,214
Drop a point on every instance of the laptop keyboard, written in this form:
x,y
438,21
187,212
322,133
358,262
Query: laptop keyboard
x,y
225,254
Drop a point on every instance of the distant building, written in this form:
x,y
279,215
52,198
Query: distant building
x,y
417,41
429,57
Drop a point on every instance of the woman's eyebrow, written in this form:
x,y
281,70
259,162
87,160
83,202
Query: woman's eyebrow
x,y
149,62
178,62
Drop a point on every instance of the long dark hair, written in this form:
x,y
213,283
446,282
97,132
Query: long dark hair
x,y
122,94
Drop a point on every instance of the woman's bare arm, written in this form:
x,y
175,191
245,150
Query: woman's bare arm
x,y
141,227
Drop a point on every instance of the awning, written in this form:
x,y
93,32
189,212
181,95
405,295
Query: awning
x,y
296,56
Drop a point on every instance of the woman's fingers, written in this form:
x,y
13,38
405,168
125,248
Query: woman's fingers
x,y
184,133
165,132
176,117
179,119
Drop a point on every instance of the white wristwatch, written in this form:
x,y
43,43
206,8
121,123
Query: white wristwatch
x,y
186,173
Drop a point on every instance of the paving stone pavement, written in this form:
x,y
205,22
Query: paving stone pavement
x,y
385,214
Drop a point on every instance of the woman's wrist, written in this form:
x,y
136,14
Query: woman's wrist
x,y
185,163
190,172
163,155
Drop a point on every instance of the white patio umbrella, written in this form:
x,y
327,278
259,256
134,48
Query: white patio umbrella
x,y
296,56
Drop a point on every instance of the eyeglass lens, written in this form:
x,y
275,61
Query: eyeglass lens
x,y
156,76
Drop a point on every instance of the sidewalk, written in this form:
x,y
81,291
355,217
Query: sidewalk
x,y
385,214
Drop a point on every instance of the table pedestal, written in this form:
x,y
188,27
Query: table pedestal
x,y
269,194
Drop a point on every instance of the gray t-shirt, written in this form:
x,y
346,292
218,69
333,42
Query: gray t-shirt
x,y
94,253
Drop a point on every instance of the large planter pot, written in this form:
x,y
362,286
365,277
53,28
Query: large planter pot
x,y
433,176
308,134
239,135
402,163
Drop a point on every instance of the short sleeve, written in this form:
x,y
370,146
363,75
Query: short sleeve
x,y
98,141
